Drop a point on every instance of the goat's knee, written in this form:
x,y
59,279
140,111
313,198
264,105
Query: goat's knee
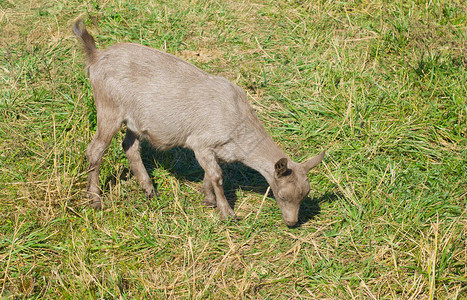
x,y
94,152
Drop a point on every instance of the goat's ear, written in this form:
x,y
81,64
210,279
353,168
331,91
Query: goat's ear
x,y
312,162
280,168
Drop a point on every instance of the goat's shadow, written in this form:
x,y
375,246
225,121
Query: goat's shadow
x,y
181,162
310,207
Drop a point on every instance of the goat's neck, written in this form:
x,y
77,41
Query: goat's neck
x,y
263,157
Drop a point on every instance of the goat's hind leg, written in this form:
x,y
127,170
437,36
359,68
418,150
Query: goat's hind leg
x,y
107,126
209,197
131,145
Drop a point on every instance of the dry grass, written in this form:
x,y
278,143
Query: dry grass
x,y
380,85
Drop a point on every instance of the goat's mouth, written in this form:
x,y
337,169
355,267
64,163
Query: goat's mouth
x,y
290,219
289,213
290,223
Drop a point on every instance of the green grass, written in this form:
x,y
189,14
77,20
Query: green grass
x,y
380,85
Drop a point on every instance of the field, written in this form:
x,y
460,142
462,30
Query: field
x,y
380,85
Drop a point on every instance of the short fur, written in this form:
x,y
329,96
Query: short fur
x,y
172,103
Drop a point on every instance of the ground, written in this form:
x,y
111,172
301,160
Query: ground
x,y
379,85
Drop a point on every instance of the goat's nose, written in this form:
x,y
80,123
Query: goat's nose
x,y
290,223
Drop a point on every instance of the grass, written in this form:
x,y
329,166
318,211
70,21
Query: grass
x,y
380,85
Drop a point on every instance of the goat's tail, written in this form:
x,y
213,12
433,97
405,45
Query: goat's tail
x,y
79,29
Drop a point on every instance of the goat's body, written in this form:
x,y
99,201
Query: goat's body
x,y
172,103
165,93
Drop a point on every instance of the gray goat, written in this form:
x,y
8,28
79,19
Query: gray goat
x,y
170,103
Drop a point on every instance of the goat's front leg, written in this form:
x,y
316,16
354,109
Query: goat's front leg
x,y
213,174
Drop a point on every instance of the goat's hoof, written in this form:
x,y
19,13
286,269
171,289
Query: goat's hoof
x,y
151,195
96,204
211,203
229,216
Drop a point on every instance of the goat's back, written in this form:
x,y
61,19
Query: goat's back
x,y
166,99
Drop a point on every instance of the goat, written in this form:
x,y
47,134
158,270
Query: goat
x,y
170,103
